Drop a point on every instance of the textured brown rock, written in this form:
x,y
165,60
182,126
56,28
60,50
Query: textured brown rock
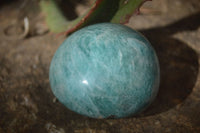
x,y
28,105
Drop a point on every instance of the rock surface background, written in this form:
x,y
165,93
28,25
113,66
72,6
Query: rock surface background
x,y
28,105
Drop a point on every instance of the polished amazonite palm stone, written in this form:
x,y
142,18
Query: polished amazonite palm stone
x,y
105,70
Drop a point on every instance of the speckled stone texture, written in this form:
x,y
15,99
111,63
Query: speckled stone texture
x,y
105,70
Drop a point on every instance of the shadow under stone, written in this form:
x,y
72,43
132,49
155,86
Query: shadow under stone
x,y
178,64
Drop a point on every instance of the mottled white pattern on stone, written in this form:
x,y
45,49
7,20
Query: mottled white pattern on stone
x,y
105,70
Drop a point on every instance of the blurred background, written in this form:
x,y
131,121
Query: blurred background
x,y
27,47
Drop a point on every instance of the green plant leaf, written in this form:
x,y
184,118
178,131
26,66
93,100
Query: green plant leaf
x,y
125,10
115,11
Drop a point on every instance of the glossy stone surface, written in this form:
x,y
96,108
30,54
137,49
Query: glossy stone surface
x,y
105,70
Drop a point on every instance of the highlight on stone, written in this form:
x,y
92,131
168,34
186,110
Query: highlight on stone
x,y
105,70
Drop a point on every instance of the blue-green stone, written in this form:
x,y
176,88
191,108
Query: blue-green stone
x,y
105,70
